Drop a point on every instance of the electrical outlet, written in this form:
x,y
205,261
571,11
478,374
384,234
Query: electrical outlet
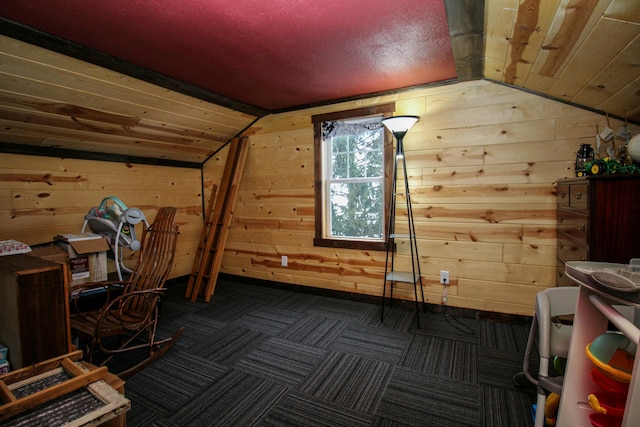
x,y
444,277
284,260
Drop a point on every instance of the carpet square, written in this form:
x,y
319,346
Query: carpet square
x,y
417,399
450,359
297,409
236,399
347,310
229,345
352,381
396,318
315,331
377,343
496,368
503,407
282,362
268,320
443,325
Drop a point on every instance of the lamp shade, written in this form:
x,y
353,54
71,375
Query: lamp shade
x,y
400,125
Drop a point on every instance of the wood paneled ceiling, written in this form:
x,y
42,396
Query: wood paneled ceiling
x,y
174,80
586,52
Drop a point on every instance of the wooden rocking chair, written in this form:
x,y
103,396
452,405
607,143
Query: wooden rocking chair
x,y
128,322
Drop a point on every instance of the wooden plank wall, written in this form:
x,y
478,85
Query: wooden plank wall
x,y
42,196
482,162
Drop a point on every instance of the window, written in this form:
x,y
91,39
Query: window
x,y
353,157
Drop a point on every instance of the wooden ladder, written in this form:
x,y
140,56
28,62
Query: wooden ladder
x,y
206,266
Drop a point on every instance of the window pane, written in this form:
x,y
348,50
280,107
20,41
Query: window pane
x,y
340,166
356,210
374,159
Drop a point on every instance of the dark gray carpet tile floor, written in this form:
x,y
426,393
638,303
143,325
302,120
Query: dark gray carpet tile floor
x,y
315,331
196,329
198,324
417,399
282,362
395,318
257,294
351,311
504,336
188,368
172,381
298,301
258,356
236,399
298,409
376,343
141,415
163,422
351,381
227,309
269,320
228,345
503,407
496,368
175,307
446,358
445,326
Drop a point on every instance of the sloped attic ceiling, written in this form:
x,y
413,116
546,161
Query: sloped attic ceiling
x,y
272,55
586,52
182,77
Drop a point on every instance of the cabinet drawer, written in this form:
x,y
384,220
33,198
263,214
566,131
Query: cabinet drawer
x,y
573,224
579,196
569,250
562,196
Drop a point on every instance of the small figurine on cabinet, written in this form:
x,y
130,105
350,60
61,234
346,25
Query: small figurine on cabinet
x,y
585,155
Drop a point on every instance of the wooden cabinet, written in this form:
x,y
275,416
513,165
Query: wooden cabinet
x,y
598,219
33,309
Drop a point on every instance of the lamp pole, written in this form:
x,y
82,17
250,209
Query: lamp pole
x,y
399,126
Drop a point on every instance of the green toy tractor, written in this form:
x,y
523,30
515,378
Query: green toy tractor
x,y
608,165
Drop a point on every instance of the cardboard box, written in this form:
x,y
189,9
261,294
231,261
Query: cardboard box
x,y
51,252
87,257
4,368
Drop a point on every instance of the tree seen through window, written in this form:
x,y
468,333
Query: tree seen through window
x,y
355,185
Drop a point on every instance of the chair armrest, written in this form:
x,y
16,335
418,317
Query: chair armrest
x,y
147,292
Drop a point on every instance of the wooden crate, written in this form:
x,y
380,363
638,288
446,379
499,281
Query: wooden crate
x,y
64,388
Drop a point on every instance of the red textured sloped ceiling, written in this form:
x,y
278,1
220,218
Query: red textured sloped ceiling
x,y
272,54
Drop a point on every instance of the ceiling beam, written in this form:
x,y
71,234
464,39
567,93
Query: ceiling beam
x,y
466,30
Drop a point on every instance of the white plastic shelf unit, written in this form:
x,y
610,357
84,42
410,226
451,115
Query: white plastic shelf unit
x,y
593,312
